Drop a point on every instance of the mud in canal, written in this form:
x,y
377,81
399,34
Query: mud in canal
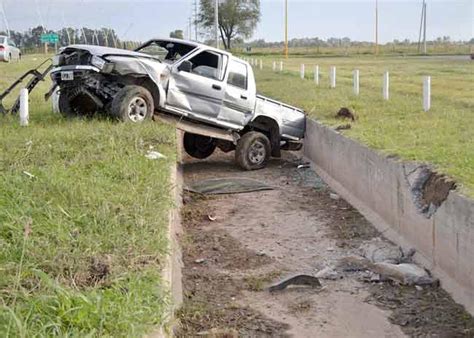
x,y
236,246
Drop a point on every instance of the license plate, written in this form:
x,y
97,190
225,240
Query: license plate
x,y
67,76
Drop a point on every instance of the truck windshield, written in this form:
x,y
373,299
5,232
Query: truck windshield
x,y
165,51
2,40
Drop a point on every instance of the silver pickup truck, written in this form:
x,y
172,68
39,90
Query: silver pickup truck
x,y
210,93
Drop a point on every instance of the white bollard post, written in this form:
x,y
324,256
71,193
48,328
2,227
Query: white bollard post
x,y
316,75
426,93
332,76
24,107
386,86
356,81
302,70
281,66
261,64
274,66
55,101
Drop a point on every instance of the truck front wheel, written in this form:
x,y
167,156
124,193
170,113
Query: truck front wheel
x,y
133,104
199,146
253,151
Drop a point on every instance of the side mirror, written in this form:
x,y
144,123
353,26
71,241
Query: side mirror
x,y
185,66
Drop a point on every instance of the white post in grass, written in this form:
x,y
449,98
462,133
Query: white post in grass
x,y
281,66
356,81
302,71
332,76
316,75
386,86
426,93
24,107
261,64
274,66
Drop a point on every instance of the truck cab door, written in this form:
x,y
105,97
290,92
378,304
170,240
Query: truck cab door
x,y
198,87
240,94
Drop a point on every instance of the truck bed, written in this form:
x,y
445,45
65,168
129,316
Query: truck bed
x,y
292,120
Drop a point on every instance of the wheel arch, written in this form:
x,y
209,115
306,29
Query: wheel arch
x,y
271,128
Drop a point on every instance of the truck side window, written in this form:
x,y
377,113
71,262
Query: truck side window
x,y
207,64
237,74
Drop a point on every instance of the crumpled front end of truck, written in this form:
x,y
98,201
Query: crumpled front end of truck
x,y
89,81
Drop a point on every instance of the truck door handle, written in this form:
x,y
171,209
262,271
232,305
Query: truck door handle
x,y
243,97
216,87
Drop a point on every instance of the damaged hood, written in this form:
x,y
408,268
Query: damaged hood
x,y
104,51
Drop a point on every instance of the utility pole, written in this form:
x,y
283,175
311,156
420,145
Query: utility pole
x,y
286,29
376,27
190,28
5,19
424,28
195,19
216,13
421,25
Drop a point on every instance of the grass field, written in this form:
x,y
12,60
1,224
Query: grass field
x,y
364,50
83,221
444,136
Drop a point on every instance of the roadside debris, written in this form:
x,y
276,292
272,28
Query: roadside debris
x,y
343,127
405,274
305,280
154,155
30,175
329,273
219,186
378,250
334,197
345,113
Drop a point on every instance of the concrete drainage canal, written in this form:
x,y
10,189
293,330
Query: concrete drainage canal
x,y
297,260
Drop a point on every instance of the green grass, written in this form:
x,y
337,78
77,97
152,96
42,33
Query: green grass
x,y
83,223
444,136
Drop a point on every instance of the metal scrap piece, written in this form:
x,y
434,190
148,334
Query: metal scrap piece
x,y
296,280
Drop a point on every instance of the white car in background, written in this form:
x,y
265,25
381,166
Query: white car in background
x,y
8,50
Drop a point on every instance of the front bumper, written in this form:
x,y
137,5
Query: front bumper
x,y
78,71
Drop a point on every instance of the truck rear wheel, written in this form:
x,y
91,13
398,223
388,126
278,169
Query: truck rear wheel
x,y
253,151
199,146
133,104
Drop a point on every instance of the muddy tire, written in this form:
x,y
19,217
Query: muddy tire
x,y
199,146
133,104
253,151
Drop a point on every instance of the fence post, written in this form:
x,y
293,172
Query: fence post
x,y
274,65
356,81
316,75
426,93
261,64
281,66
302,71
24,107
386,86
332,76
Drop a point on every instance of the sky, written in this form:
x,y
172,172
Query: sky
x,y
144,19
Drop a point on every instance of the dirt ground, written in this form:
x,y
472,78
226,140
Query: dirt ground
x,y
235,246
